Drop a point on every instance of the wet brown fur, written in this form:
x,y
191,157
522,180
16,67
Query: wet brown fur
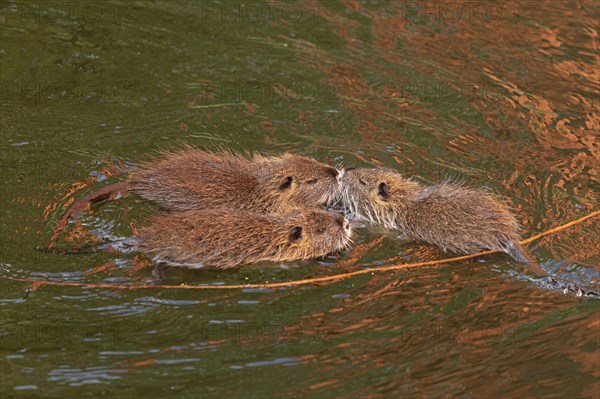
x,y
451,216
194,179
225,238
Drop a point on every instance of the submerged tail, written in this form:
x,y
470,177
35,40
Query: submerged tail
x,y
521,255
86,201
88,249
126,245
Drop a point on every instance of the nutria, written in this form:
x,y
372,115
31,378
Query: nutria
x,y
194,179
452,216
224,238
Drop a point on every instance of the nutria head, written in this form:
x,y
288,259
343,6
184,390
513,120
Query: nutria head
x,y
313,233
297,181
378,195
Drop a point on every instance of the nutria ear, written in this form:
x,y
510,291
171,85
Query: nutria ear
x,y
295,233
286,183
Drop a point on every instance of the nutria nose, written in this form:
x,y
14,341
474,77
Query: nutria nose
x,y
340,220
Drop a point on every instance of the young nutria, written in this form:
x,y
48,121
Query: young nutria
x,y
194,179
224,238
451,216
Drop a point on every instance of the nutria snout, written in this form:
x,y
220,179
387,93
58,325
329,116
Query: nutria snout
x,y
225,238
452,216
341,220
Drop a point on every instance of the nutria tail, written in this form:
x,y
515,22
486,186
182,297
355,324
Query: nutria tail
x,y
88,249
124,246
521,255
86,201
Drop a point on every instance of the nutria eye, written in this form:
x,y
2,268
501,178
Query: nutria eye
x,y
321,230
361,181
287,183
295,233
311,181
384,191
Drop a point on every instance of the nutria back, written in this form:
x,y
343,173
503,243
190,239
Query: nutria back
x,y
224,238
452,216
194,179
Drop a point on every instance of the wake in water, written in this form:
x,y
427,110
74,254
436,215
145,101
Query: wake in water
x,y
567,278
